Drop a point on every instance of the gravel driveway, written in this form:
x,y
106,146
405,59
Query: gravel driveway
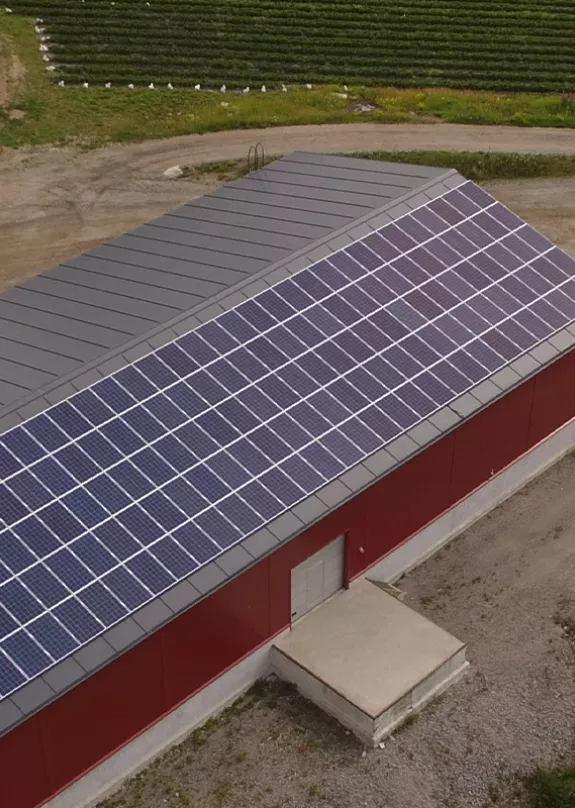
x,y
505,587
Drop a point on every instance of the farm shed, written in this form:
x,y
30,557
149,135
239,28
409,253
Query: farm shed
x,y
329,356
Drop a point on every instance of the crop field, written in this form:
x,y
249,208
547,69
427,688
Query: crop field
x,y
476,44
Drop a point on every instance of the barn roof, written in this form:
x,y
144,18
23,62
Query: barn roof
x,y
103,302
345,265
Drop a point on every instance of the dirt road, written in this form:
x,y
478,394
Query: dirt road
x,y
55,203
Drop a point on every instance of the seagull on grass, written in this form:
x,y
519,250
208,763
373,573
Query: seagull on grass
x,y
85,84
130,86
309,86
264,88
223,88
107,85
197,86
61,84
151,86
170,87
246,90
284,88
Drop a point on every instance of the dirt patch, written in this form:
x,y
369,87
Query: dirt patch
x,y
505,587
12,71
547,204
55,203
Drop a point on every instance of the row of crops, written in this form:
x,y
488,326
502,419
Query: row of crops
x,y
475,44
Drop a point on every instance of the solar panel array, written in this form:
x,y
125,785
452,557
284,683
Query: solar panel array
x,y
111,497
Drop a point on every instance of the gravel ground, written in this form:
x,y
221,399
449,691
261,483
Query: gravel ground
x,y
506,587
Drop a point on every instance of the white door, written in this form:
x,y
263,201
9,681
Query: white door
x,y
317,578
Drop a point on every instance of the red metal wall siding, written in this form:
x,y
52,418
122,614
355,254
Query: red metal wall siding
x,y
103,713
216,633
554,398
24,776
491,440
401,503
85,725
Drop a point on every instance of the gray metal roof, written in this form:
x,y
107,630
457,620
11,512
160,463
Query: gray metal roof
x,y
81,310
131,630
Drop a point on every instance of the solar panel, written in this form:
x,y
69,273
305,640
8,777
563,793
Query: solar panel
x,y
112,496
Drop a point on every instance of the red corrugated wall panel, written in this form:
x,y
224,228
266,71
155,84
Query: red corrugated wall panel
x,y
24,777
491,440
216,633
554,399
103,713
403,502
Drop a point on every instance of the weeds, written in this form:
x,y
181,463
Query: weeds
x,y
552,788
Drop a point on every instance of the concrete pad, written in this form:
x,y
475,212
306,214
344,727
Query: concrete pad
x,y
368,660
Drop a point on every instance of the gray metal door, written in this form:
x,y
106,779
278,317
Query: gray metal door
x,y
317,578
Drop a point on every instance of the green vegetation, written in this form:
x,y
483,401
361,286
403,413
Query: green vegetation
x,y
476,44
483,166
553,788
94,116
478,166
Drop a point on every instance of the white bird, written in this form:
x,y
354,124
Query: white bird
x,y
130,86
309,86
284,88
345,87
46,58
170,86
246,90
197,86
44,38
107,85
39,19
151,85
50,67
264,88
85,84
43,48
61,84
8,10
223,88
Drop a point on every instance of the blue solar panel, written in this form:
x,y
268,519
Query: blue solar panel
x,y
110,497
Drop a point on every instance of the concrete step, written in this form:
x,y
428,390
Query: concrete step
x,y
368,660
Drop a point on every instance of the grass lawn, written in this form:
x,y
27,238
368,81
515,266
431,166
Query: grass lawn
x,y
95,116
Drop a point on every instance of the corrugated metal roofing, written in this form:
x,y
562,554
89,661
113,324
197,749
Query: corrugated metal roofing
x,y
79,311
